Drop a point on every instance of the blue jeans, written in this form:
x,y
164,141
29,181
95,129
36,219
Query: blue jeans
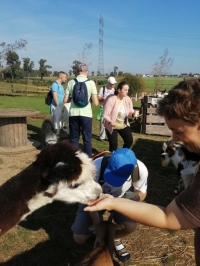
x,y
81,125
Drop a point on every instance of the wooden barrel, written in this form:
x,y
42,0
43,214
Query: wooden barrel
x,y
13,132
13,127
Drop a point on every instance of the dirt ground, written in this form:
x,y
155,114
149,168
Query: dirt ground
x,y
148,246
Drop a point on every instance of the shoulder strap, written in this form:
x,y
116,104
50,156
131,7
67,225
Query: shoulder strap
x,y
135,174
104,164
80,81
104,87
55,82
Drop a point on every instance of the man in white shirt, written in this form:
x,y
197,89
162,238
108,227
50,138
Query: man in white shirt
x,y
104,92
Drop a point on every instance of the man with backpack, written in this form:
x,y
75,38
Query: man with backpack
x,y
120,174
104,92
82,91
57,91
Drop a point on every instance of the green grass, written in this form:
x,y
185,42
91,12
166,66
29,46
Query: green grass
x,y
168,83
33,103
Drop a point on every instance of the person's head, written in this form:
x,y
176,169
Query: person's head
x,y
122,89
62,76
111,83
120,167
181,110
82,69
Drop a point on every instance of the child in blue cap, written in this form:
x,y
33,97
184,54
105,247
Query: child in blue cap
x,y
123,172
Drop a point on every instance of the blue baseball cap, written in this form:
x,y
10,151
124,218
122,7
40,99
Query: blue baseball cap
x,y
120,167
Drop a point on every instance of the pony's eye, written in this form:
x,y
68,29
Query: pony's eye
x,y
74,186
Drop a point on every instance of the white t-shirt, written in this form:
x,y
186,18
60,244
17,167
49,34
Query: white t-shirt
x,y
140,185
106,93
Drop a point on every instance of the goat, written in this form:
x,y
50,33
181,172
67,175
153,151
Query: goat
x,y
179,156
62,115
60,172
103,252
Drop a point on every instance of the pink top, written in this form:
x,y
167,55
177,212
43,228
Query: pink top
x,y
111,110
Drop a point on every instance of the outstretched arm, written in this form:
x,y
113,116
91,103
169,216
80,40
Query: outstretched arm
x,y
170,217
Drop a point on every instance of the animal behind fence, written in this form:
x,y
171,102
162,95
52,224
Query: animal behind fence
x,y
60,172
179,156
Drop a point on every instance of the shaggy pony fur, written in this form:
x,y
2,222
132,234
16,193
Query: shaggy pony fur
x,y
60,172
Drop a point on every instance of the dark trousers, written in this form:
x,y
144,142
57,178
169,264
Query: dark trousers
x,y
126,135
81,125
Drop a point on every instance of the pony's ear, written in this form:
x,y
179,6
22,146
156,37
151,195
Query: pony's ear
x,y
170,142
58,173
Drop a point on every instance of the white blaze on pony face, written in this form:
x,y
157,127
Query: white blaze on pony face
x,y
84,189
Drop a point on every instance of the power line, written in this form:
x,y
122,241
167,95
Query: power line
x,y
100,62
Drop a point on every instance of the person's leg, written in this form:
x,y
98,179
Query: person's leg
x,y
128,227
112,139
81,225
53,118
86,125
127,136
74,129
102,134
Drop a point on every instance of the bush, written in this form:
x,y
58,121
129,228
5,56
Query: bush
x,y
102,82
40,83
136,84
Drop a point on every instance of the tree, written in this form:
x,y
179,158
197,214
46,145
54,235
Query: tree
x,y
55,73
13,63
161,69
28,66
70,72
74,66
136,84
43,69
83,57
92,73
86,53
18,45
6,48
115,70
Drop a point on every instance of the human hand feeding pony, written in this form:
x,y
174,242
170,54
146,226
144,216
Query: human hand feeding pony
x,y
60,172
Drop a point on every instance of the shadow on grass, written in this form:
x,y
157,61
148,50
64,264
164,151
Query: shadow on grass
x,y
59,249
34,132
162,180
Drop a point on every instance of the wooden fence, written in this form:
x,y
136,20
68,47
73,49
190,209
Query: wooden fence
x,y
152,123
22,90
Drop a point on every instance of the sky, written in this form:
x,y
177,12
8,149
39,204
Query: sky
x,y
135,33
